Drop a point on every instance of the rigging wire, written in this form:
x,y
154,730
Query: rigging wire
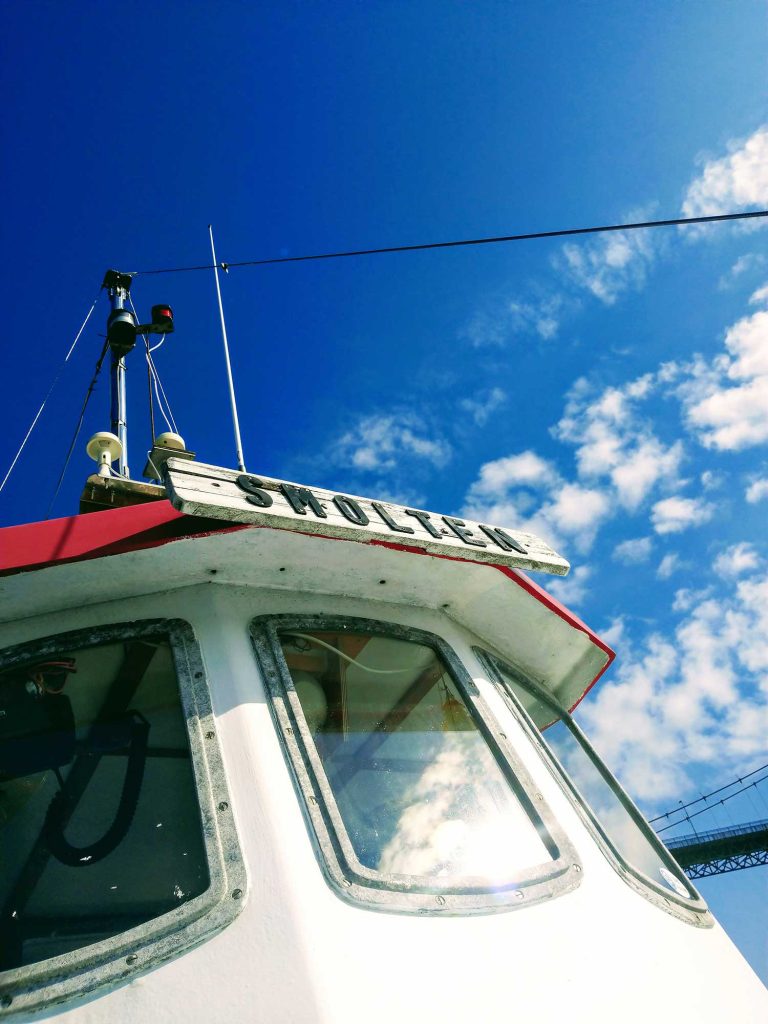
x,y
738,781
147,351
50,392
76,434
493,240
170,422
150,396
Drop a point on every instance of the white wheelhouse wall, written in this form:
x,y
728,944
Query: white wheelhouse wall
x,y
297,952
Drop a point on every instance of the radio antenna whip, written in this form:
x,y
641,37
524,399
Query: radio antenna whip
x,y
233,402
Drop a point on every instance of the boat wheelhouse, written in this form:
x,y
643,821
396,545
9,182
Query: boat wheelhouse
x,y
254,770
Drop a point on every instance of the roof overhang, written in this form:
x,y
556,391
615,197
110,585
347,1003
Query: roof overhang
x,y
45,567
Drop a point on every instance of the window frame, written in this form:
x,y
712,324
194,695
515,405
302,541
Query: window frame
x,y
348,877
694,910
122,957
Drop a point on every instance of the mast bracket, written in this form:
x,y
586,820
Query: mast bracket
x,y
114,280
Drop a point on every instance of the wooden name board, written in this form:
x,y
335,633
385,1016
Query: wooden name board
x,y
197,489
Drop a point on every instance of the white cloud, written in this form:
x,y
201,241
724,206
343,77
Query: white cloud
x,y
615,635
571,590
757,490
578,511
527,469
633,552
538,315
747,627
759,296
526,491
645,464
485,329
695,697
673,515
687,597
669,564
729,416
747,343
743,265
380,442
483,404
737,559
731,182
613,441
731,419
619,463
609,264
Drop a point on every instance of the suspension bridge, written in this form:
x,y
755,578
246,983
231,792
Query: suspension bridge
x,y
703,850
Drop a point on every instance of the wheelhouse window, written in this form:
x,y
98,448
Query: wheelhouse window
x,y
618,822
101,824
411,787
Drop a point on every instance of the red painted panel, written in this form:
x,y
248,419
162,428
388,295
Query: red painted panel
x,y
77,538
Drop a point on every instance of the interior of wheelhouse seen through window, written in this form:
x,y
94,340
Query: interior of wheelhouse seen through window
x,y
100,828
420,787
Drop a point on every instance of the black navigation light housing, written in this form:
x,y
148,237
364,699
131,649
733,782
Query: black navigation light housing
x,y
162,319
121,331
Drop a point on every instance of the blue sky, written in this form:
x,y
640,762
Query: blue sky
x,y
611,392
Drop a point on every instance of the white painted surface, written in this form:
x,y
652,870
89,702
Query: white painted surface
x,y
299,954
198,489
500,611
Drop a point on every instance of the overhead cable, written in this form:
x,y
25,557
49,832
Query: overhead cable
x,y
50,392
494,240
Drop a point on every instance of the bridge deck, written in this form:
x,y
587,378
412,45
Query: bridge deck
x,y
725,849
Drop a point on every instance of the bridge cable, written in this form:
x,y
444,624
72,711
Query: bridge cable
x,y
740,779
690,817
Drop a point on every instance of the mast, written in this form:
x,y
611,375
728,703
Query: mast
x,y
121,335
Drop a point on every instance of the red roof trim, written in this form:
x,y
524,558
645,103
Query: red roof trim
x,y
98,534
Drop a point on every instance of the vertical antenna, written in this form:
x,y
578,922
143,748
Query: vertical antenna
x,y
233,403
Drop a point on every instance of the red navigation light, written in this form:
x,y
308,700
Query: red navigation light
x,y
162,318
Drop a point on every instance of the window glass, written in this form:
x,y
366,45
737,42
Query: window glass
x,y
418,788
631,838
100,828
